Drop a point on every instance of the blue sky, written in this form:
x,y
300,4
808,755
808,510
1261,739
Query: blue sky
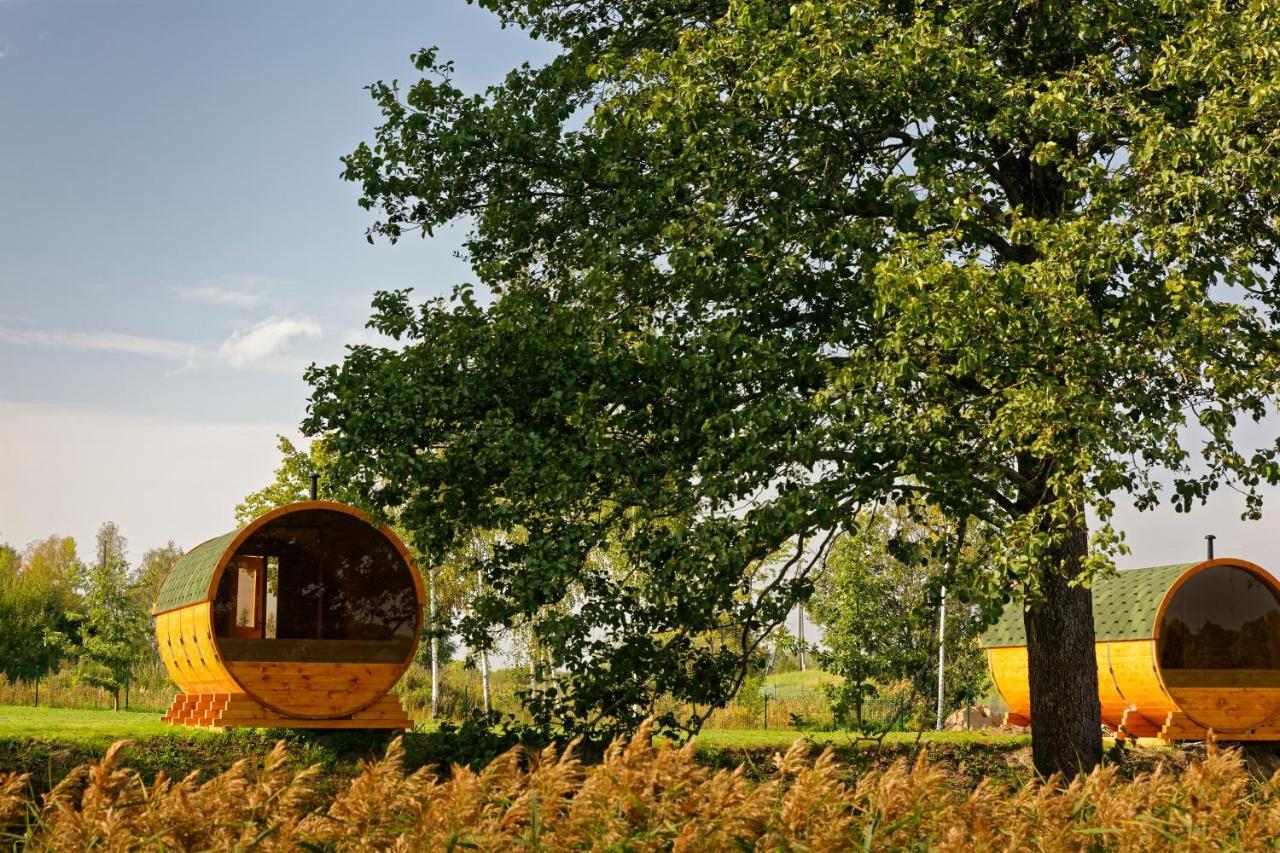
x,y
176,246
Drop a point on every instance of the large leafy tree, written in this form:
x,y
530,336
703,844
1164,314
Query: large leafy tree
x,y
756,264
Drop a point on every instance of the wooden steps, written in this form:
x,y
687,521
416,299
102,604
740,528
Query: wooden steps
x,y
1136,724
1179,728
236,710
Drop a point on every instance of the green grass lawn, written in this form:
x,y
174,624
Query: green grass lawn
x,y
99,726
48,743
782,738
63,723
810,679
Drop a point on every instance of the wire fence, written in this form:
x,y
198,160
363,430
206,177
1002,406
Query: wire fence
x,y
59,691
807,708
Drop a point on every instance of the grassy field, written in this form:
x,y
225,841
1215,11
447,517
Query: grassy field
x,y
49,743
109,726
782,738
810,679
24,722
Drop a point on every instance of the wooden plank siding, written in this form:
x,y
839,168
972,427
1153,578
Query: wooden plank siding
x,y
1129,689
1137,700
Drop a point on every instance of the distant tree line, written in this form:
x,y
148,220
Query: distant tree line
x,y
59,610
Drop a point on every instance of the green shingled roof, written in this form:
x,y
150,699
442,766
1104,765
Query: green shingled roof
x,y
1124,607
188,581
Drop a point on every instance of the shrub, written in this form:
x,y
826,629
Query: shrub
x,y
645,797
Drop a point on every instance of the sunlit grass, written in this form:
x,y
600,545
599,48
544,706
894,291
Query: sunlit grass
x,y
783,738
22,721
810,679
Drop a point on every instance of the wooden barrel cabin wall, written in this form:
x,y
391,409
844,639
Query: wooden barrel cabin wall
x,y
304,618
1182,651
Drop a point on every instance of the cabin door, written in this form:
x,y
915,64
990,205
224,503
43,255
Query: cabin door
x,y
251,577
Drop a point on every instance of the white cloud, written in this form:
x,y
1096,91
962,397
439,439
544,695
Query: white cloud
x,y
266,339
230,291
103,342
222,296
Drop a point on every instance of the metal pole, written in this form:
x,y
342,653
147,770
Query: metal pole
x,y
942,652
484,653
766,712
800,636
435,644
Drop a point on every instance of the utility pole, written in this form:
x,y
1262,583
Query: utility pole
x,y
800,637
435,644
942,652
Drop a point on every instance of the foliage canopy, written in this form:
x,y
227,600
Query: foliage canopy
x,y
756,265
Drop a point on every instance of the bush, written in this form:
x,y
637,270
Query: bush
x,y
644,797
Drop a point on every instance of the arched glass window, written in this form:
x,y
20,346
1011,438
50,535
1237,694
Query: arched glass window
x,y
1222,618
317,575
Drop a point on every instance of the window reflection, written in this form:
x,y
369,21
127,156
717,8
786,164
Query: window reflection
x,y
317,574
1222,618
246,596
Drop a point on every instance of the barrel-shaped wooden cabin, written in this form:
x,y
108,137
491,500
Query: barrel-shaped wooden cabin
x,y
306,618
1182,650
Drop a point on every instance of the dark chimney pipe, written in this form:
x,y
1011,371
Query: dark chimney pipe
x,y
1209,539
315,496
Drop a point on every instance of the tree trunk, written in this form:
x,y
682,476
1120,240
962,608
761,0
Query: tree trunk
x,y
942,657
484,654
1066,718
533,660
115,700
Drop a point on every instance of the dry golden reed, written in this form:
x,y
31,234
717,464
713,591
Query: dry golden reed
x,y
645,797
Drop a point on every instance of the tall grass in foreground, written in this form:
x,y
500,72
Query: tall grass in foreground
x,y
643,797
